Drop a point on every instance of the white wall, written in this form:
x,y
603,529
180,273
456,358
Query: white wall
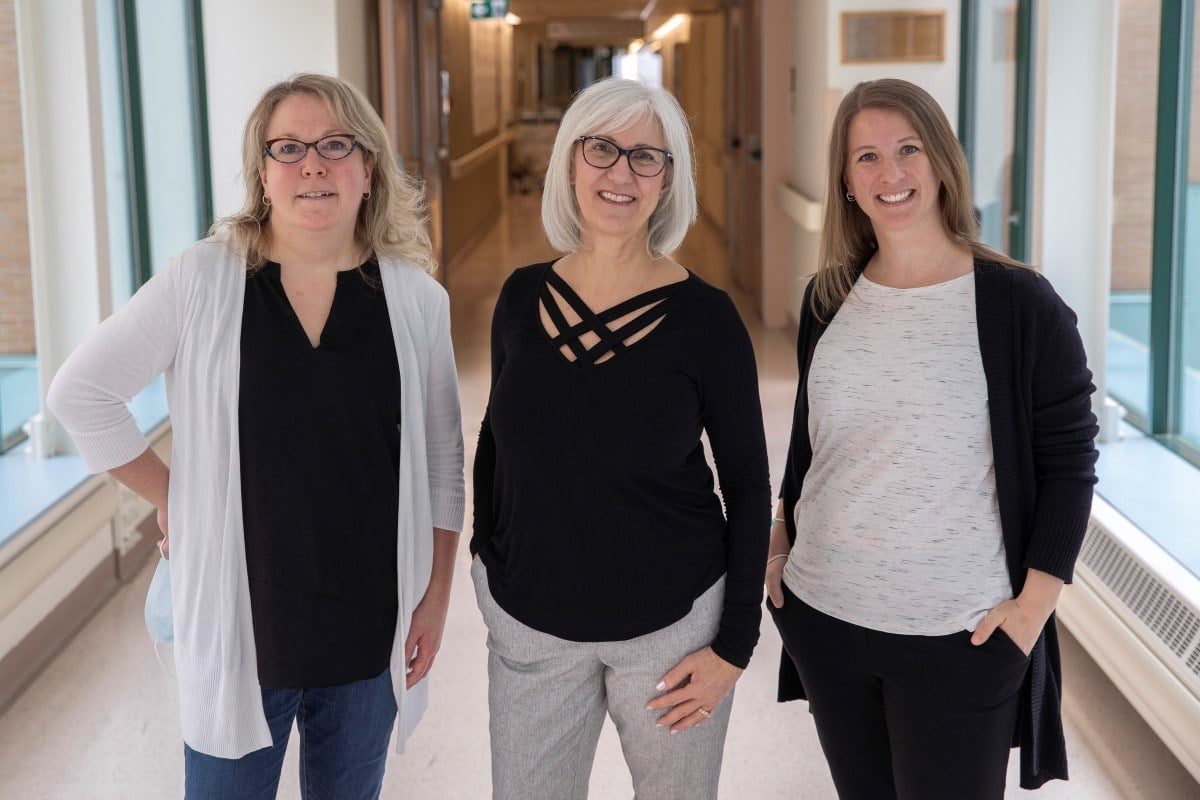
x,y
1073,162
940,79
811,51
821,81
249,46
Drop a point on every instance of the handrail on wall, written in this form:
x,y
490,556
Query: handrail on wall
x,y
803,210
464,164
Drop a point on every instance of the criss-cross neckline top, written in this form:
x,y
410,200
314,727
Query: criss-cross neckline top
x,y
654,304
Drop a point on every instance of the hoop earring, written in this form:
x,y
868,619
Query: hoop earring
x,y
849,197
367,195
266,200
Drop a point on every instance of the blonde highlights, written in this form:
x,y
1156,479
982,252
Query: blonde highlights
x,y
391,221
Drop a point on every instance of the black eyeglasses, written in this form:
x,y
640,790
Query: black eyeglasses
x,y
602,153
331,148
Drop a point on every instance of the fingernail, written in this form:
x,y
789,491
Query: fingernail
x,y
649,708
674,732
658,724
661,685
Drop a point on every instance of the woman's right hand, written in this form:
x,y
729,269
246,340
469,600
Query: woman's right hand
x,y
164,544
777,550
774,580
150,479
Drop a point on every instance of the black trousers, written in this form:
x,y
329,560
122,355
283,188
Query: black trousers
x,y
906,717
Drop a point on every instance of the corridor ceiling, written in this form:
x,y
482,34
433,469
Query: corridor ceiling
x,y
540,10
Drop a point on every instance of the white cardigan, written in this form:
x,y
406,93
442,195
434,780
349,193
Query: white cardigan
x,y
186,321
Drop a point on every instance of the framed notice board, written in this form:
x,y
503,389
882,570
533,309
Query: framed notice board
x,y
878,36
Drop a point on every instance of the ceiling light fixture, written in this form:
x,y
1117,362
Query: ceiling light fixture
x,y
669,26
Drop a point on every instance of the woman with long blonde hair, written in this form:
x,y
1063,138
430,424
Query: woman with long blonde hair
x,y
315,491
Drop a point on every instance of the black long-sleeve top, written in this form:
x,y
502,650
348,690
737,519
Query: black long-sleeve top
x,y
595,510
1043,446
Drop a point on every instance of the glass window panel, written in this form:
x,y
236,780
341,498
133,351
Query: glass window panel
x,y
18,397
642,65
1128,366
1188,330
1189,380
116,164
993,124
169,133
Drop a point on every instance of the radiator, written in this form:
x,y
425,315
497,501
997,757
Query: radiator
x,y
1136,610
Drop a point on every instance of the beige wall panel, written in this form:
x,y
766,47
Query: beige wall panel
x,y
472,201
1133,157
699,79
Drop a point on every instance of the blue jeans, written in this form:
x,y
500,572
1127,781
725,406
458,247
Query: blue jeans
x,y
344,735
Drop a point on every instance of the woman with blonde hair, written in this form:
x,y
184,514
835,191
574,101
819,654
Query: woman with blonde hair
x,y
315,491
611,580
939,479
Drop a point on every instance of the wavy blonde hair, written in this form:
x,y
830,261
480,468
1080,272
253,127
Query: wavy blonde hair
x,y
847,238
391,222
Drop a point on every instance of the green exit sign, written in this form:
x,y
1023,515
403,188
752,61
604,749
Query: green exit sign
x,y
489,9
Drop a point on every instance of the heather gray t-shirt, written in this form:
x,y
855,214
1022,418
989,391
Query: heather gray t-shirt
x,y
898,527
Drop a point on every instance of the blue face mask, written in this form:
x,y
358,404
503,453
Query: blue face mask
x,y
158,605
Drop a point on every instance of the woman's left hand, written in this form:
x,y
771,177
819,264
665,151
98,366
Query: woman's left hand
x,y
1023,617
702,680
1021,626
425,633
429,617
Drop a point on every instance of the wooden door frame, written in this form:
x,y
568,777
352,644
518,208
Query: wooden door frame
x,y
410,66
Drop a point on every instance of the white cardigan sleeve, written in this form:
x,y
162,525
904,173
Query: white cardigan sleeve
x,y
116,361
443,422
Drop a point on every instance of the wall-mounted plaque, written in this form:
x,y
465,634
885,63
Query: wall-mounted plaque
x,y
874,36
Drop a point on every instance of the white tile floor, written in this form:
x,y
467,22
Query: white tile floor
x,y
101,721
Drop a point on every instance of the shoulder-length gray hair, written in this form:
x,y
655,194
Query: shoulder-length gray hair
x,y
391,222
847,238
606,107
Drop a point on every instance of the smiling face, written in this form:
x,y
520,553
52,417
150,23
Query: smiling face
x,y
313,194
889,173
616,202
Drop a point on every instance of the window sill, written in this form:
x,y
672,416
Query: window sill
x,y
1156,489
30,489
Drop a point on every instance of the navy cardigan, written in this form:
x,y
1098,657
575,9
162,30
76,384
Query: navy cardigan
x,y
1043,431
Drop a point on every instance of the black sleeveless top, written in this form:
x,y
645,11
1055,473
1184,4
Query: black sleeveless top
x,y
319,432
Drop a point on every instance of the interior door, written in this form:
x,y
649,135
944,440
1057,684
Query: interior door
x,y
414,94
745,149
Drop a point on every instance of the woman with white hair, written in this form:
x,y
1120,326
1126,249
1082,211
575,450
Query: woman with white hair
x,y
609,577
315,491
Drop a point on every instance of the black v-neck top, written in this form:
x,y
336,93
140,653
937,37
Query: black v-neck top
x,y
320,452
595,510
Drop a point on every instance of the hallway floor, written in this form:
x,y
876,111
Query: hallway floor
x,y
101,722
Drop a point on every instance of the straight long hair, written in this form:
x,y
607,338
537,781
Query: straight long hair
x,y
847,238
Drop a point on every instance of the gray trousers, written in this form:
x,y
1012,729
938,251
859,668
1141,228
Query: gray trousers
x,y
548,696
